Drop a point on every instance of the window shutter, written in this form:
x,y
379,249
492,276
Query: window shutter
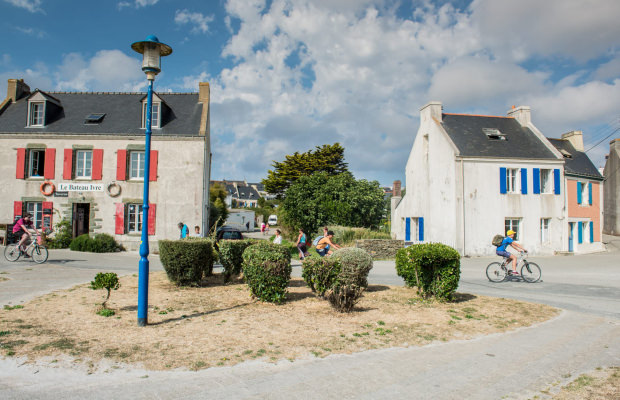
x,y
556,181
67,165
97,164
48,214
502,180
536,180
579,199
121,165
590,193
408,229
421,229
20,169
591,231
524,180
49,170
17,210
580,232
151,219
153,168
119,218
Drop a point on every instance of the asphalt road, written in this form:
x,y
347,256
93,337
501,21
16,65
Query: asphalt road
x,y
515,365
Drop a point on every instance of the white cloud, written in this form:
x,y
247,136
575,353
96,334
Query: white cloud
x,y
199,22
608,70
136,3
31,5
38,33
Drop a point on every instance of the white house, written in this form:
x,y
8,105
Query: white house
x,y
470,177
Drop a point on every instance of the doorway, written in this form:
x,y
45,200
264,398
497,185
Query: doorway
x,y
81,218
571,231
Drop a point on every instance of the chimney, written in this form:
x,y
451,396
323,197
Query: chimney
x,y
575,138
522,114
16,89
432,109
396,189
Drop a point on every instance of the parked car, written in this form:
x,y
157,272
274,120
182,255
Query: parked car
x,y
273,219
228,233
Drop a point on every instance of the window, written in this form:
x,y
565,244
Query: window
x,y
136,165
94,118
155,120
586,230
83,164
584,193
414,229
512,224
134,218
546,181
511,180
36,163
494,134
544,230
36,209
36,114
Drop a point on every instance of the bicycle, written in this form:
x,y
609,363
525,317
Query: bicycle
x,y
36,251
530,272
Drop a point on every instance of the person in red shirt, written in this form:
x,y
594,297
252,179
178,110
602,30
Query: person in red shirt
x,y
22,225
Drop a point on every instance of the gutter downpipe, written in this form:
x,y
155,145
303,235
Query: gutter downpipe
x,y
463,195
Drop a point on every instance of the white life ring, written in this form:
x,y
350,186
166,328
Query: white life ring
x,y
113,189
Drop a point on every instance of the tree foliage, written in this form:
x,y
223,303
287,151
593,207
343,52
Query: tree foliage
x,y
327,158
322,199
218,209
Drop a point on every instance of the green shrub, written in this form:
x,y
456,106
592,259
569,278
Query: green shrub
x,y
231,255
186,261
267,271
100,243
320,273
352,279
433,268
108,281
63,236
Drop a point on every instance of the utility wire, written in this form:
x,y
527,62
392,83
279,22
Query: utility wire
x,y
603,139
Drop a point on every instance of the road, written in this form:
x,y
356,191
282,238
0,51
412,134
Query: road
x,y
515,365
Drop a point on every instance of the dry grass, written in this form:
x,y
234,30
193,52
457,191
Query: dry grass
x,y
602,384
221,324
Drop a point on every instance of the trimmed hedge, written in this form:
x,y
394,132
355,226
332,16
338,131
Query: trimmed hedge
x,y
433,268
186,261
231,255
100,243
320,273
267,271
352,280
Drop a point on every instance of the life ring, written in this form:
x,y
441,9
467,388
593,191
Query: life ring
x,y
113,189
50,190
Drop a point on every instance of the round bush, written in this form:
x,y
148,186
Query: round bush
x,y
352,280
320,273
231,255
267,271
186,261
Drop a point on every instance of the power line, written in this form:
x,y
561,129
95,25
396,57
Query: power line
x,y
603,139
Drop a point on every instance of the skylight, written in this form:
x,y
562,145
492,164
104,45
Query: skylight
x,y
94,118
494,134
566,154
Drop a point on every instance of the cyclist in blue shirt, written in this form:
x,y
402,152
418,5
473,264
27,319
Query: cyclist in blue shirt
x,y
509,241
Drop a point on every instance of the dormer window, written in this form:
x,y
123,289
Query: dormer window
x,y
155,120
36,113
43,109
494,134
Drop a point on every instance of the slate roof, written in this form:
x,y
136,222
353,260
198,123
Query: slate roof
x,y
123,114
466,132
247,193
578,164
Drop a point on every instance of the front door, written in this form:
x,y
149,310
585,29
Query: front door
x,y
571,230
81,213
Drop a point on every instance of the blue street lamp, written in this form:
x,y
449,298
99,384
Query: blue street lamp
x,y
152,50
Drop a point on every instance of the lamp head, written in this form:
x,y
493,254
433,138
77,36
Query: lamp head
x,y
152,50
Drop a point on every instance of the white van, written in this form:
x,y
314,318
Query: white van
x,y
273,219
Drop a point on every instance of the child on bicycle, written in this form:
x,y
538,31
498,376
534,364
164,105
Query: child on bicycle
x,y
23,224
509,241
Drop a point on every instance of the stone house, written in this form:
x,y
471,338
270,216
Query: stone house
x,y
611,224
80,157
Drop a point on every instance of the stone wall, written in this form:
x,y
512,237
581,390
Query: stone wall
x,y
380,248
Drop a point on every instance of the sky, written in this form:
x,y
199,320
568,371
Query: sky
x,y
289,75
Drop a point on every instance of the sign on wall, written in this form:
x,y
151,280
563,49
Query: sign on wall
x,y
80,187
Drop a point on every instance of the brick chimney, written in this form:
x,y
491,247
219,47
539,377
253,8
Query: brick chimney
x,y
432,109
575,138
396,189
17,89
204,93
522,114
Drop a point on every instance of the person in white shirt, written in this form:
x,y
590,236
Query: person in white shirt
x,y
278,238
196,232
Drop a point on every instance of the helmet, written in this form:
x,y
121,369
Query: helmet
x,y
510,232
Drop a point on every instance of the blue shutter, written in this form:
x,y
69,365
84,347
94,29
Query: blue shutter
x,y
556,181
579,200
524,180
502,180
580,232
591,231
421,229
536,180
590,193
408,229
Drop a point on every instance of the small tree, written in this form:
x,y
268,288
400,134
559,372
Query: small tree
x,y
107,281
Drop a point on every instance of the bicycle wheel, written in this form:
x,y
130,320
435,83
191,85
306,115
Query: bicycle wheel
x,y
530,272
495,272
11,252
39,254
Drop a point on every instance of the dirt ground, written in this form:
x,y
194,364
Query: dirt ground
x,y
220,324
602,384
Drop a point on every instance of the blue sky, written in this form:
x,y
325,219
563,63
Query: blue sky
x,y
288,75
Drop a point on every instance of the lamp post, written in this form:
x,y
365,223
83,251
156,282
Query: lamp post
x,y
152,50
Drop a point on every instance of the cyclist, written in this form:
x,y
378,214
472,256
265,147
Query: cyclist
x,y
23,224
501,250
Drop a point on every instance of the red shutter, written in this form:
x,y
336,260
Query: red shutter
x,y
17,210
121,165
47,216
119,219
20,170
97,164
153,169
151,216
67,165
49,170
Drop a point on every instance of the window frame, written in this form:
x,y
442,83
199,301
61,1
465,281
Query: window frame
x,y
36,211
509,225
546,181
40,163
81,164
545,224
36,113
141,161
133,216
513,184
155,114
584,194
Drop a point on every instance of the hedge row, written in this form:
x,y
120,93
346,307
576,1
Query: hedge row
x,y
267,271
186,261
231,255
100,243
